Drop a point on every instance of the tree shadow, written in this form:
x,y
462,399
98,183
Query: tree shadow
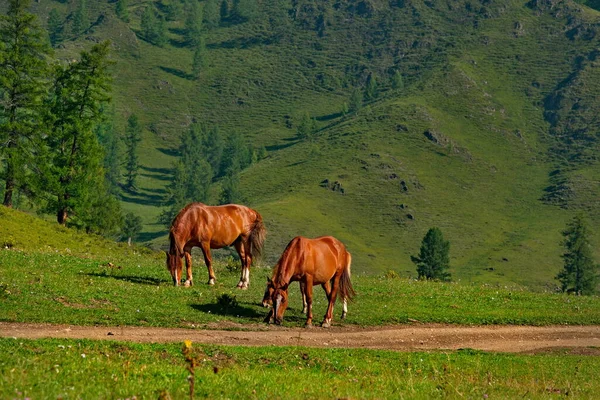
x,y
329,117
290,142
143,199
177,72
168,152
232,310
241,43
141,280
148,236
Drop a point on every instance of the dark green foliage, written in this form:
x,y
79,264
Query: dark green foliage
x,y
121,10
307,127
199,60
397,81
244,10
213,147
75,108
132,226
100,213
224,10
371,90
109,140
23,82
80,18
580,273
55,27
356,100
231,193
154,28
133,135
237,155
433,260
193,23
211,14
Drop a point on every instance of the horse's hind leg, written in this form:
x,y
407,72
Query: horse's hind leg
x,y
188,269
208,260
303,294
332,296
308,291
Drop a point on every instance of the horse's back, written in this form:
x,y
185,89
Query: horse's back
x,y
321,256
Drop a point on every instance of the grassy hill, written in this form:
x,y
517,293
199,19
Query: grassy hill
x,y
493,136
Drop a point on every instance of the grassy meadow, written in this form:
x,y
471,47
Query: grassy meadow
x,y
68,369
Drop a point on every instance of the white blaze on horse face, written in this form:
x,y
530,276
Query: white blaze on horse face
x,y
278,300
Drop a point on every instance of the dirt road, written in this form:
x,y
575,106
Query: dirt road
x,y
515,339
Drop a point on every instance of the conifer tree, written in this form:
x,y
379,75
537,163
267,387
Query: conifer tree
x,y
224,10
433,260
154,28
397,81
122,10
193,23
199,61
307,127
580,274
356,101
109,140
75,109
80,18
55,27
371,92
231,193
244,10
23,82
211,14
132,226
133,135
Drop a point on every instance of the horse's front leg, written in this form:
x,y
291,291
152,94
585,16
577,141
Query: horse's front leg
x,y
208,260
188,269
303,293
332,296
308,294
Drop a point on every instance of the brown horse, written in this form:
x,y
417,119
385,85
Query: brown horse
x,y
214,227
267,302
321,261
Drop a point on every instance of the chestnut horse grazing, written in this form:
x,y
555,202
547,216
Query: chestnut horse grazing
x,y
214,227
321,261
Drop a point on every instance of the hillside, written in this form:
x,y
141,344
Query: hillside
x,y
492,136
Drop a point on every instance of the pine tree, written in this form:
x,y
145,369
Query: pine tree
x,y
109,140
213,148
237,155
397,81
580,273
193,23
23,81
122,10
371,92
433,260
224,10
55,27
154,29
307,127
231,193
176,197
199,61
80,19
75,109
198,172
356,101
244,10
133,135
132,226
211,14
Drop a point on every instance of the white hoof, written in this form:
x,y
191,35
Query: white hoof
x,y
187,283
211,281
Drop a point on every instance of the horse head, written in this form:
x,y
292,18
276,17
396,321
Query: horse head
x,y
266,301
175,267
280,302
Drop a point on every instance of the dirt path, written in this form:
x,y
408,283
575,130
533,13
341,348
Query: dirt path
x,y
514,339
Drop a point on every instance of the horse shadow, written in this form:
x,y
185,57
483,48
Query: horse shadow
x,y
141,280
234,310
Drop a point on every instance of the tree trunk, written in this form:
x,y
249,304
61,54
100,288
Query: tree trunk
x,y
129,240
61,216
8,193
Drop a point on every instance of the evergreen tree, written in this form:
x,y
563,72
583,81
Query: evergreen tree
x,y
433,260
23,82
154,29
307,127
122,10
55,27
132,226
244,10
198,172
193,23
176,197
224,10
237,155
356,101
397,81
102,212
580,273
133,135
80,19
371,87
213,145
199,61
74,110
231,193
211,14
174,10
109,140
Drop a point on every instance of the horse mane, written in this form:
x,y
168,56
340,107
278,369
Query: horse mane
x,y
283,270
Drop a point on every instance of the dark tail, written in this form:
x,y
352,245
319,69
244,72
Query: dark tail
x,y
346,289
258,232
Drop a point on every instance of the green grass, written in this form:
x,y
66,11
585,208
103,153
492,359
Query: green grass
x,y
52,368
55,288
